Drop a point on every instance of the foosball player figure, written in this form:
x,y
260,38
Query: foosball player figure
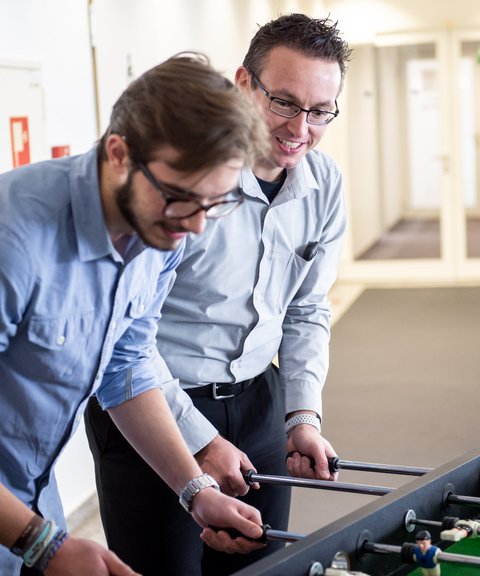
x,y
425,554
462,529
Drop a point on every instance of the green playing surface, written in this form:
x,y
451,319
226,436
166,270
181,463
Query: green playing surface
x,y
467,546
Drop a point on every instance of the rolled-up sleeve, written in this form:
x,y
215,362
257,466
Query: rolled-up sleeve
x,y
136,367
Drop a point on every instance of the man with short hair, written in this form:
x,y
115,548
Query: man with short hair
x,y
252,286
88,251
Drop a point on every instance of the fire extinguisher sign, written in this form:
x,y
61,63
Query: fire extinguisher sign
x,y
20,140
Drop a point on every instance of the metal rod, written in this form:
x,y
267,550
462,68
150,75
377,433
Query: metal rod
x,y
381,548
469,500
336,464
419,522
251,477
444,556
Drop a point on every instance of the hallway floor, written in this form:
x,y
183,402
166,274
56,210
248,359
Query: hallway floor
x,y
418,238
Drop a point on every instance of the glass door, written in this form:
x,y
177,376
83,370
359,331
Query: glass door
x,y
399,182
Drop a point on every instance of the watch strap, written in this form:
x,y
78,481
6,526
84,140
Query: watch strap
x,y
193,487
311,419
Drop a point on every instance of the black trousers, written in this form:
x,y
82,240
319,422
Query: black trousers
x,y
142,518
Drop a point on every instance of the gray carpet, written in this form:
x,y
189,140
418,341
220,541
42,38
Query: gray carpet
x,y
418,238
403,388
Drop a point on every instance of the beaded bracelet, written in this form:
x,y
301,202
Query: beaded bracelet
x,y
58,539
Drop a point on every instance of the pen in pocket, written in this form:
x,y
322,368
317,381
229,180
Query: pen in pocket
x,y
311,250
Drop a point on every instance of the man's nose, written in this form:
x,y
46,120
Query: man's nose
x,y
298,125
195,223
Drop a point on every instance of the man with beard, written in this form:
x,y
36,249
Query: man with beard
x,y
260,281
88,249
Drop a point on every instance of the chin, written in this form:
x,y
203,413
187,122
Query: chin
x,y
160,243
165,245
287,162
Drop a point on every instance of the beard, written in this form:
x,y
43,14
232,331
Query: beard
x,y
124,196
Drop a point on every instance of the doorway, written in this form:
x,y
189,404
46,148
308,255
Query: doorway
x,y
413,127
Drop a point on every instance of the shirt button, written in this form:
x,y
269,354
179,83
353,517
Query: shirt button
x,y
61,340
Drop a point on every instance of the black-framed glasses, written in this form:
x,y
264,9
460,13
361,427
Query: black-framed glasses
x,y
315,116
180,203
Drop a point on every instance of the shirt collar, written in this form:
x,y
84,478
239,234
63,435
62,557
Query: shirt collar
x,y
300,181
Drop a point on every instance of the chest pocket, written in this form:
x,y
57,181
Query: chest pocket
x,y
59,343
138,306
295,272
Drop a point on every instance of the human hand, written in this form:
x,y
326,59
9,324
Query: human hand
x,y
225,462
308,453
80,557
212,508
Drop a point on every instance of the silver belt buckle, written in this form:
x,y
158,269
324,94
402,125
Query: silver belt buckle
x,y
219,396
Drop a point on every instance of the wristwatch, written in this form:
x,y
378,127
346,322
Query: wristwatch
x,y
311,419
193,488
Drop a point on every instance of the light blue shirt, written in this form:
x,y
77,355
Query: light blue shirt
x,y
245,291
75,318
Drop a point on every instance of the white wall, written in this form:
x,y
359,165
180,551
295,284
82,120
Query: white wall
x,y
54,34
362,20
145,32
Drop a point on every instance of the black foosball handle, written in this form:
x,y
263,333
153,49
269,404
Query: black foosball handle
x,y
268,534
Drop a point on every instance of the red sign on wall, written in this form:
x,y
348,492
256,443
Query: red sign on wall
x,y
60,151
20,140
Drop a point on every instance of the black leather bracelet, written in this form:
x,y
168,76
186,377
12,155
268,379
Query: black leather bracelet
x,y
29,534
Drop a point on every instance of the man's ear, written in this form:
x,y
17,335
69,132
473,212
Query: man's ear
x,y
242,78
116,150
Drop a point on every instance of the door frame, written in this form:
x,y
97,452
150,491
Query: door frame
x,y
467,268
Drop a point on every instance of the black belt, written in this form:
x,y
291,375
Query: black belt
x,y
219,390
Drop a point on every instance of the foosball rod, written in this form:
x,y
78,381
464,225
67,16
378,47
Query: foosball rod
x,y
251,476
444,556
465,500
335,464
411,520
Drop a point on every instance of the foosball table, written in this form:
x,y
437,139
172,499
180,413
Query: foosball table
x,y
378,538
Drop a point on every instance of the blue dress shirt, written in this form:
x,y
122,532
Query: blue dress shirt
x,y
75,318
261,279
